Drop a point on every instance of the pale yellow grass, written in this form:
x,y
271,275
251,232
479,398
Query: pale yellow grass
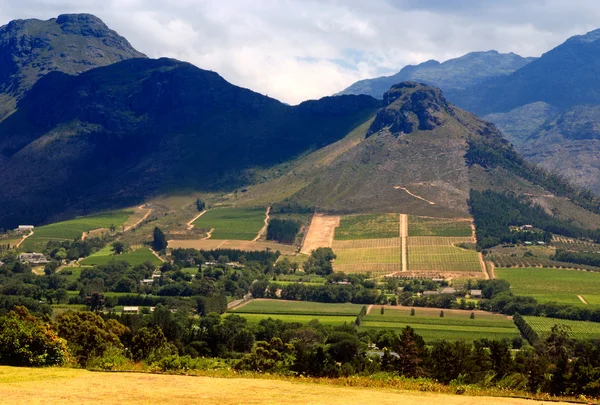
x,y
249,246
69,386
320,233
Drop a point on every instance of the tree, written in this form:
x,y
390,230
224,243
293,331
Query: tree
x,y
95,302
160,241
200,205
412,312
27,341
410,349
441,314
119,247
50,268
472,315
382,310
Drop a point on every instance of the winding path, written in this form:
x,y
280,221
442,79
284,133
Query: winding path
x,y
141,220
23,239
190,225
264,228
414,195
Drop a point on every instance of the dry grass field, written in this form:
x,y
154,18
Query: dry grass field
x,y
70,386
209,244
320,233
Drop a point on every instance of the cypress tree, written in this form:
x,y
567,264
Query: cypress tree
x,y
160,242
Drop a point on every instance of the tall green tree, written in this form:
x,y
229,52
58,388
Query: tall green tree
x,y
160,241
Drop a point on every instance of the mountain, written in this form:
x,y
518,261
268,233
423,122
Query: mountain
x,y
454,74
115,135
71,43
549,108
419,155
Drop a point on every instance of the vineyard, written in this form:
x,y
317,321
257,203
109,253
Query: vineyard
x,y
439,254
560,242
425,226
372,226
580,330
509,261
375,256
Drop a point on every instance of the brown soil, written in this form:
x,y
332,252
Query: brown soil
x,y
320,233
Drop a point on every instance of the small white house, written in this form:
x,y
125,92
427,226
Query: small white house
x,y
475,293
24,228
131,310
147,281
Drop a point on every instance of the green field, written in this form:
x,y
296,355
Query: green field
x,y
371,226
135,257
75,273
368,256
331,320
577,329
233,223
438,254
281,307
455,325
425,226
73,229
554,285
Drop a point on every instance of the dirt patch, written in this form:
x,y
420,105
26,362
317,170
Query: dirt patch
x,y
582,299
141,208
414,195
320,233
264,228
23,239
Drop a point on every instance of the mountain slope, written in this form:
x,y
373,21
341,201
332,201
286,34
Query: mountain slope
x,y
453,74
71,43
117,134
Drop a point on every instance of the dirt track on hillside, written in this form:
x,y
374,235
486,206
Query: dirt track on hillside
x,y
320,233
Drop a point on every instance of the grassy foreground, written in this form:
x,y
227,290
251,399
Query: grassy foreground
x,y
61,386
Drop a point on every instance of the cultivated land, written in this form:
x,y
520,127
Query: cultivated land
x,y
426,226
440,254
320,233
331,320
576,329
135,257
455,325
232,223
554,285
73,229
370,226
266,306
71,386
376,256
249,246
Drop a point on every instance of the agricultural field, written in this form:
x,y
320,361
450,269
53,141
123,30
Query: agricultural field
x,y
560,242
232,223
71,273
375,256
510,261
426,226
248,246
440,254
577,329
73,229
282,307
455,325
369,226
554,285
329,320
135,257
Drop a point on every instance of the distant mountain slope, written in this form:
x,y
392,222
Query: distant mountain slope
x,y
117,134
71,43
454,74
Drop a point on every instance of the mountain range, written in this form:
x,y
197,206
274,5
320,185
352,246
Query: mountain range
x,y
547,107
101,127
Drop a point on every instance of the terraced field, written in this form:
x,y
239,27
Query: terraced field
x,y
426,226
576,329
455,325
135,257
369,226
554,285
439,254
73,229
232,223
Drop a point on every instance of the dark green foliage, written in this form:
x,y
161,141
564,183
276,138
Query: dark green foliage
x,y
282,230
200,205
119,247
27,341
590,259
159,242
320,262
185,257
526,330
494,213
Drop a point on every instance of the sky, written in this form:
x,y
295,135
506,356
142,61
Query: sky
x,y
295,50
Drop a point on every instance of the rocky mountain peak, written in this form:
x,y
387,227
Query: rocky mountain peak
x,y
411,106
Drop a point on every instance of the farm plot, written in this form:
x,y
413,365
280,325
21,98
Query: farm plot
x,y
440,254
502,260
376,256
455,325
369,226
248,246
427,226
232,223
577,329
135,257
554,285
73,229
320,233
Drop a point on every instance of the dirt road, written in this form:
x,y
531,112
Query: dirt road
x,y
190,225
404,240
414,195
141,207
320,233
263,230
23,239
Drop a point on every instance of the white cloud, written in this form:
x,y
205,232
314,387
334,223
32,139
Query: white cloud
x,y
299,49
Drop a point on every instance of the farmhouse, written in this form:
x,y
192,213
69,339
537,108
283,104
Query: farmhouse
x,y
147,281
131,310
475,293
527,228
428,293
33,258
24,228
449,290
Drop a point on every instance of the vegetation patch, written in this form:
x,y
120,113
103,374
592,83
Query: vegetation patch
x,y
232,223
553,285
73,229
370,226
439,254
427,226
261,306
454,325
580,330
135,257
